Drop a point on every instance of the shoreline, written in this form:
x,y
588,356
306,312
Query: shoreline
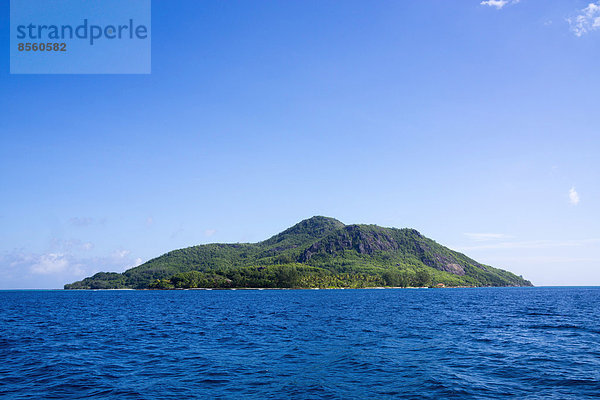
x,y
347,288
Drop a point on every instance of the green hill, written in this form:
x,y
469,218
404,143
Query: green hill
x,y
317,252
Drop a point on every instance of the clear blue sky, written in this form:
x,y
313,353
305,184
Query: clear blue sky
x,y
476,124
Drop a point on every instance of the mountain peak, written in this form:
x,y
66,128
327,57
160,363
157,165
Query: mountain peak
x,y
316,224
308,229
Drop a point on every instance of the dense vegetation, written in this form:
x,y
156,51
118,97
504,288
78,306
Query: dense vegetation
x,y
317,252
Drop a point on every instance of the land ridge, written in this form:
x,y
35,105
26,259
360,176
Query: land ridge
x,y
319,252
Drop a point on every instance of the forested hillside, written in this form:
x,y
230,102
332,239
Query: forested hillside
x,y
318,252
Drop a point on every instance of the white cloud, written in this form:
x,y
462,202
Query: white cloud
x,y
495,3
484,237
573,196
136,262
588,20
50,264
119,254
52,269
499,4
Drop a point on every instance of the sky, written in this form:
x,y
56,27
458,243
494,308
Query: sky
x,y
475,123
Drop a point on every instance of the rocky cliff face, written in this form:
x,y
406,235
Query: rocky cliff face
x,y
352,237
371,239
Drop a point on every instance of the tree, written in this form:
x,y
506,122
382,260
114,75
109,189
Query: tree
x,y
423,277
287,276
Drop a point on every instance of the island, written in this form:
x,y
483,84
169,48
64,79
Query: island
x,y
319,252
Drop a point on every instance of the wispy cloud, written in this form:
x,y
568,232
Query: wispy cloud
x,y
50,264
499,4
62,265
573,196
83,222
210,232
21,265
69,245
547,260
531,244
138,261
485,237
178,232
587,20
120,254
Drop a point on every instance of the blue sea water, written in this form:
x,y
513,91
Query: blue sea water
x,y
520,343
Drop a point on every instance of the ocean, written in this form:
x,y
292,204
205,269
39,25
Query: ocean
x,y
484,343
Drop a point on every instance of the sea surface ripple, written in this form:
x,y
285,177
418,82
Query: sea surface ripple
x,y
488,343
